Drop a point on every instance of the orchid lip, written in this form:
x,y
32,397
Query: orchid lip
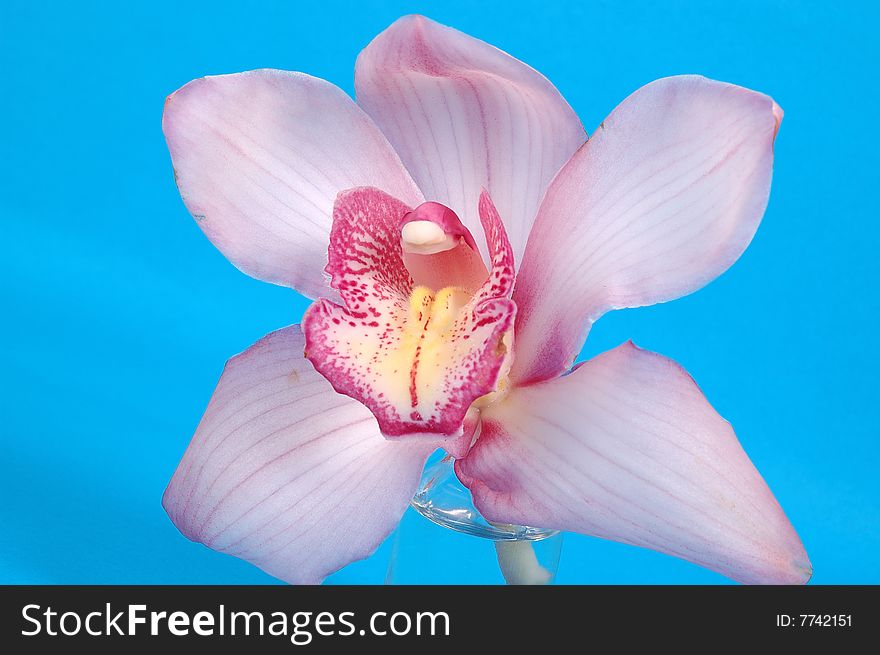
x,y
425,330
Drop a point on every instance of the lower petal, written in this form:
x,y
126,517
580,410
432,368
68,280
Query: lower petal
x,y
627,448
287,474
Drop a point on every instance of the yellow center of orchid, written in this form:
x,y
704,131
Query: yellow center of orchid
x,y
427,340
434,312
427,343
429,335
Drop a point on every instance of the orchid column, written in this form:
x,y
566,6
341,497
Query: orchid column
x,y
460,235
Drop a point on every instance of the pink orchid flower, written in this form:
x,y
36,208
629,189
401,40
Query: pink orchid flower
x,y
470,235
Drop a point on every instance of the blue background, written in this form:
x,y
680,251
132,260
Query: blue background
x,y
118,314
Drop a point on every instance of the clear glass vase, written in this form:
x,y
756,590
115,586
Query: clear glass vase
x,y
443,539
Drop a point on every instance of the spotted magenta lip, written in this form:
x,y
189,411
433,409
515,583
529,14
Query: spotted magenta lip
x,y
417,357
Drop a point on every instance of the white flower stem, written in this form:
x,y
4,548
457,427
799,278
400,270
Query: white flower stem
x,y
519,563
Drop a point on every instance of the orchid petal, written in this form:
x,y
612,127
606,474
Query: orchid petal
x,y
664,197
417,357
464,116
627,448
259,158
287,474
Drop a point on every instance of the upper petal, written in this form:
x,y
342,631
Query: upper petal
x,y
464,116
259,158
664,197
627,448
286,473
416,356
